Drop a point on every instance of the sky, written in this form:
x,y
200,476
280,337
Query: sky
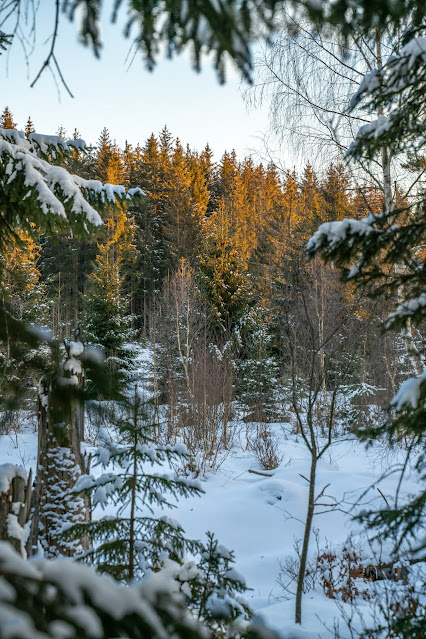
x,y
127,99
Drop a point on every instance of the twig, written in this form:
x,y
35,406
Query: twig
x,y
387,503
258,472
51,55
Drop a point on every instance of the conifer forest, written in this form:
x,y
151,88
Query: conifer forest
x,y
212,368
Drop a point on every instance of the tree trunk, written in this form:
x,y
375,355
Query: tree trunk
x,y
60,457
305,546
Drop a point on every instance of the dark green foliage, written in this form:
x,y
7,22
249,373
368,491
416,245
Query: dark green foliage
x,y
397,89
108,325
215,586
56,201
128,543
144,276
65,265
401,522
257,369
204,27
22,357
51,596
226,30
5,40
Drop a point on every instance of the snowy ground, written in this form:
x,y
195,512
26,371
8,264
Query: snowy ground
x,y
261,517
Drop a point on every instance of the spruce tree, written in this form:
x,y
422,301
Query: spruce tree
x,y
183,213
110,167
55,201
29,127
225,281
107,319
6,120
145,272
134,540
25,296
257,370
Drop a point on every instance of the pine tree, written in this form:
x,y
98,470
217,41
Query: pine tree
x,y
29,127
292,204
6,120
55,201
257,369
215,586
107,320
62,132
224,278
110,167
183,214
57,594
134,540
25,296
145,276
338,204
225,176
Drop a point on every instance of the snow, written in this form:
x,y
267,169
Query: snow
x,y
135,191
86,594
76,349
79,145
8,472
180,449
53,186
407,309
46,142
409,392
259,518
369,84
74,366
333,233
396,85
173,523
45,178
415,48
14,529
375,129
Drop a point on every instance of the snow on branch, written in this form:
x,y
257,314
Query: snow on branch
x,y
397,88
406,310
77,602
43,189
409,392
332,234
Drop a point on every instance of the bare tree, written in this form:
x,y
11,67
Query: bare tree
x,y
314,319
308,79
194,372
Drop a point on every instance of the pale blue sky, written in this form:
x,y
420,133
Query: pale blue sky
x,y
131,102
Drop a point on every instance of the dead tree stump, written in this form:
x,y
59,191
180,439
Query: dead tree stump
x,y
15,505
